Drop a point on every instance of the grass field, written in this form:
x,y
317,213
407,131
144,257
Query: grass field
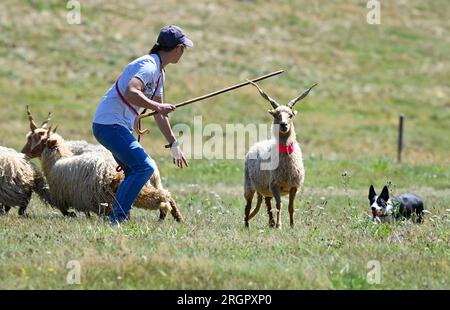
x,y
367,74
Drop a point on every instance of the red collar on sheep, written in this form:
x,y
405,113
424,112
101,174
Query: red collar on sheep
x,y
286,149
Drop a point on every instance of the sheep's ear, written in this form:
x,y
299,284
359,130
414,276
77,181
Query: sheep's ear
x,y
271,112
294,112
385,193
372,193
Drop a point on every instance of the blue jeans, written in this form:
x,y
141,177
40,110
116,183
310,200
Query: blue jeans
x,y
137,166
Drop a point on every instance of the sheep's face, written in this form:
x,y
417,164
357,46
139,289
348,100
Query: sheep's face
x,y
36,141
283,117
52,141
37,137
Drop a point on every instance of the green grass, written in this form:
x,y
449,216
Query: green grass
x,y
213,250
367,76
329,248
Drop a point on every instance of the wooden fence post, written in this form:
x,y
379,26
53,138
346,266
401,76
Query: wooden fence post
x,y
400,138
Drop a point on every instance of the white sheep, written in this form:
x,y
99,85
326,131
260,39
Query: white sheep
x,y
19,177
274,168
87,182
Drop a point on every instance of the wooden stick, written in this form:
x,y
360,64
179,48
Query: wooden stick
x,y
400,138
224,90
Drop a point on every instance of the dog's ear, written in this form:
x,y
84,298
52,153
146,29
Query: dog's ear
x,y
372,193
385,193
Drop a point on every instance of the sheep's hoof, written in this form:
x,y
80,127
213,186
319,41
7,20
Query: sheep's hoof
x,y
162,216
272,224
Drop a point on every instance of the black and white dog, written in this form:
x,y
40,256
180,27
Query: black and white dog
x,y
385,208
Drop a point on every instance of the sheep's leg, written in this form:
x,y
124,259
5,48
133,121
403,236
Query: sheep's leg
x,y
258,206
162,215
249,197
88,214
175,211
269,211
292,194
276,194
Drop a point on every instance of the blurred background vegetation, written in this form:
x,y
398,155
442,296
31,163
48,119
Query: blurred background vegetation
x,y
367,74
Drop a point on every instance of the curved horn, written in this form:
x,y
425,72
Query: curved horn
x,y
49,131
45,123
295,100
264,95
33,126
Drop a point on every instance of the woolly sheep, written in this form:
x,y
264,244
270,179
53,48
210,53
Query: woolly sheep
x,y
87,182
77,147
274,168
19,177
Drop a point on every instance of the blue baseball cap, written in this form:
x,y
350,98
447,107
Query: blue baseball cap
x,y
171,36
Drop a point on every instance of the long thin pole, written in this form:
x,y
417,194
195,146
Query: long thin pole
x,y
221,91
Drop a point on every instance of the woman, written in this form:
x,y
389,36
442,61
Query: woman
x,y
140,85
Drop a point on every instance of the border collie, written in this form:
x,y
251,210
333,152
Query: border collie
x,y
386,208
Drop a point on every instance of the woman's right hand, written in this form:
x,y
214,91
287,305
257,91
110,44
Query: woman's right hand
x,y
165,108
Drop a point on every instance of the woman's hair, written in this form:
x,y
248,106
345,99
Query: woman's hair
x,y
156,48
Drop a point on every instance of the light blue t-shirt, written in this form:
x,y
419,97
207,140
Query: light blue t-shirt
x,y
112,110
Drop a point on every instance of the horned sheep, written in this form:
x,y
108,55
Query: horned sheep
x,y
77,147
87,182
274,168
